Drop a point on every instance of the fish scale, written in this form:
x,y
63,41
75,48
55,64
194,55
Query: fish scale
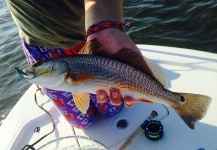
x,y
140,78
108,70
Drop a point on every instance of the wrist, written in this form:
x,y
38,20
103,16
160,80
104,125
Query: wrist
x,y
106,24
104,34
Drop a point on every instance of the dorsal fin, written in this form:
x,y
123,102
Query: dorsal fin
x,y
129,57
142,63
92,47
157,72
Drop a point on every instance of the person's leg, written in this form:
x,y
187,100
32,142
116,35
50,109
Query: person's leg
x,y
36,54
65,104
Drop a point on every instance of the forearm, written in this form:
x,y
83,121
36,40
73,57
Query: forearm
x,y
99,10
111,39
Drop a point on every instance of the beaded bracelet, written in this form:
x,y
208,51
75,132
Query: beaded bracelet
x,y
106,24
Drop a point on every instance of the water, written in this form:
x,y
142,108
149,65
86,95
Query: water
x,y
187,24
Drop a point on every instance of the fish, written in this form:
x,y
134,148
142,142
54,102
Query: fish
x,y
133,74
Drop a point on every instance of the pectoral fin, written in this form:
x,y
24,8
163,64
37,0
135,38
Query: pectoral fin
x,y
78,79
82,101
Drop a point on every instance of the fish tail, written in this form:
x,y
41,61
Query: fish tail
x,y
193,108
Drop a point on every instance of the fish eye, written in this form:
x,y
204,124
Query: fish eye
x,y
182,98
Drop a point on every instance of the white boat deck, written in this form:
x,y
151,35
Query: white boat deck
x,y
188,71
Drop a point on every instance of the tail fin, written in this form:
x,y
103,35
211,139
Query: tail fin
x,y
193,109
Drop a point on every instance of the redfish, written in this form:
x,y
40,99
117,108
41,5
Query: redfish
x,y
134,75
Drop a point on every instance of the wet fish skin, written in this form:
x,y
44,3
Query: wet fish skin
x,y
89,73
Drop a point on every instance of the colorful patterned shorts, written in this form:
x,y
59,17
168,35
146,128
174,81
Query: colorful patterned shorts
x,y
64,100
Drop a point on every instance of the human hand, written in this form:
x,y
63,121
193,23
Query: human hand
x,y
111,39
115,98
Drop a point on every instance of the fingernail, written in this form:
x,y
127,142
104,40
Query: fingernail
x,y
128,102
115,94
101,96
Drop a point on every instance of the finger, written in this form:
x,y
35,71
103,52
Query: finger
x,y
101,96
129,101
115,97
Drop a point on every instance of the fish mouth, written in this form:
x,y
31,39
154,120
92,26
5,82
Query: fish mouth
x,y
23,74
